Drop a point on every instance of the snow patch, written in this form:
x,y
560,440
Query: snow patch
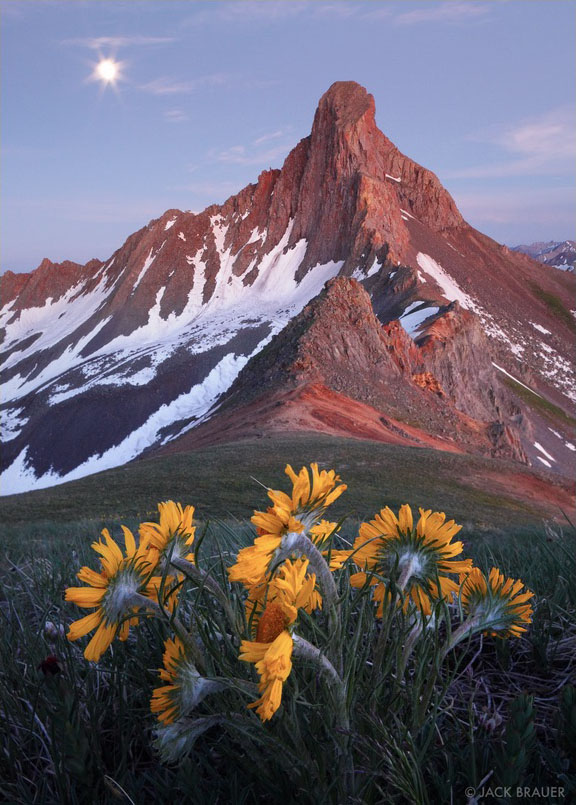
x,y
374,268
20,477
415,315
543,460
182,236
448,286
500,369
169,224
54,321
18,385
394,178
360,274
539,447
11,423
147,263
540,328
256,235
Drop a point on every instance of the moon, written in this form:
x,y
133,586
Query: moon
x,y
107,71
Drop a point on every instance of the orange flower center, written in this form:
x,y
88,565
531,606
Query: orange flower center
x,y
272,623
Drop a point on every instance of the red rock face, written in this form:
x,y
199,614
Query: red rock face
x,y
49,280
444,383
356,183
426,380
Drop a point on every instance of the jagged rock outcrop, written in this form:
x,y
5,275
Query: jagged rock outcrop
x,y
443,382
49,280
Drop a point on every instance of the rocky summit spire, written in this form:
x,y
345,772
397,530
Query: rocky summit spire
x,y
343,106
357,190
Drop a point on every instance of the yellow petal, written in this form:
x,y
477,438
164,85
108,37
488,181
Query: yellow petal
x,y
91,577
102,638
129,541
405,521
85,596
84,625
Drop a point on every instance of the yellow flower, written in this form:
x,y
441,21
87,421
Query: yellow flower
x,y
422,556
497,602
111,592
251,565
337,558
273,662
308,495
291,514
273,609
185,689
173,535
291,588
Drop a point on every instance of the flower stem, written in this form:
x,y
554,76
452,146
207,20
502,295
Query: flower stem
x,y
406,574
380,649
413,636
466,628
206,581
303,545
141,601
306,651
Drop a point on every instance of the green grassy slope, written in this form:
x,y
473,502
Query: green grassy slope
x,y
225,480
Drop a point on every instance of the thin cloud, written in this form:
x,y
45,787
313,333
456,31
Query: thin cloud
x,y
274,11
380,13
171,86
265,138
539,206
12,11
175,115
549,136
241,155
540,146
204,194
248,11
339,11
99,42
451,12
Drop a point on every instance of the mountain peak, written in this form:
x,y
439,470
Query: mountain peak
x,y
344,104
150,340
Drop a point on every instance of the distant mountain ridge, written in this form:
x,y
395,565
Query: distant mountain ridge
x,y
558,253
427,327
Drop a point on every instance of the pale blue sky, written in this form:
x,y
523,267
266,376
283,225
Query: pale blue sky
x,y
481,92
